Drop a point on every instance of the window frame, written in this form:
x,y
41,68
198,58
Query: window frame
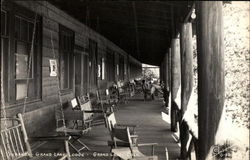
x,y
66,36
34,90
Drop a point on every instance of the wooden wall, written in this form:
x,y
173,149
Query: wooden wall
x,y
40,113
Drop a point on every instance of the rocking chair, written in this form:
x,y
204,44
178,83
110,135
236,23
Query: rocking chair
x,y
15,141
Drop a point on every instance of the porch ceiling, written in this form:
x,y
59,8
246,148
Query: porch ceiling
x,y
142,28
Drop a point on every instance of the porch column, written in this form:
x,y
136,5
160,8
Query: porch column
x,y
175,82
210,51
166,80
186,78
165,60
169,68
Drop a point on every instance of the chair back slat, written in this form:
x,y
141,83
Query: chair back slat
x,y
4,146
111,121
15,141
2,154
19,139
25,136
18,143
11,141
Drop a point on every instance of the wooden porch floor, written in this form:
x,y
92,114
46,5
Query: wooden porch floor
x,y
151,128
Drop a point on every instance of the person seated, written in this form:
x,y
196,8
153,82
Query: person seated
x,y
145,89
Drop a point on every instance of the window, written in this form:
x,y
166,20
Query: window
x,y
103,68
24,60
117,69
20,62
4,23
121,67
125,68
85,73
110,65
93,68
66,49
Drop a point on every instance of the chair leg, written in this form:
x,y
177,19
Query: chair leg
x,y
67,150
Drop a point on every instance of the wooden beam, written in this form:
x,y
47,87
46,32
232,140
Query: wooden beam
x,y
211,85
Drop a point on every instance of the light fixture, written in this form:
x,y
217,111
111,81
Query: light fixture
x,y
193,15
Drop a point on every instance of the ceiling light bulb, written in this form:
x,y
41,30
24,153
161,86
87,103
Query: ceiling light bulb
x,y
193,15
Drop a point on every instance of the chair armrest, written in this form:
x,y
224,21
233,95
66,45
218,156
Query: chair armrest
x,y
93,111
134,136
147,144
127,125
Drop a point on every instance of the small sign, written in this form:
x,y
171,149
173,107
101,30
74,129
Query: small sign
x,y
53,68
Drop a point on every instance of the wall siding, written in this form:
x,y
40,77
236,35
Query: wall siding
x,y
39,114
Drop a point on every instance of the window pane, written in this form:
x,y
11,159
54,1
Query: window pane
x,y
22,61
24,30
21,90
103,69
22,48
21,66
117,69
64,71
99,71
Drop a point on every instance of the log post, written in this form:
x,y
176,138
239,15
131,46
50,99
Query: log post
x,y
169,69
186,79
175,81
166,79
210,51
166,69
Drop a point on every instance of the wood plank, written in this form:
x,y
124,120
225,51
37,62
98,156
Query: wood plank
x,y
47,42
48,53
47,34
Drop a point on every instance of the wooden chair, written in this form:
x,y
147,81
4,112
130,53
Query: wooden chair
x,y
83,115
92,116
15,141
106,101
111,123
131,150
124,94
75,131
